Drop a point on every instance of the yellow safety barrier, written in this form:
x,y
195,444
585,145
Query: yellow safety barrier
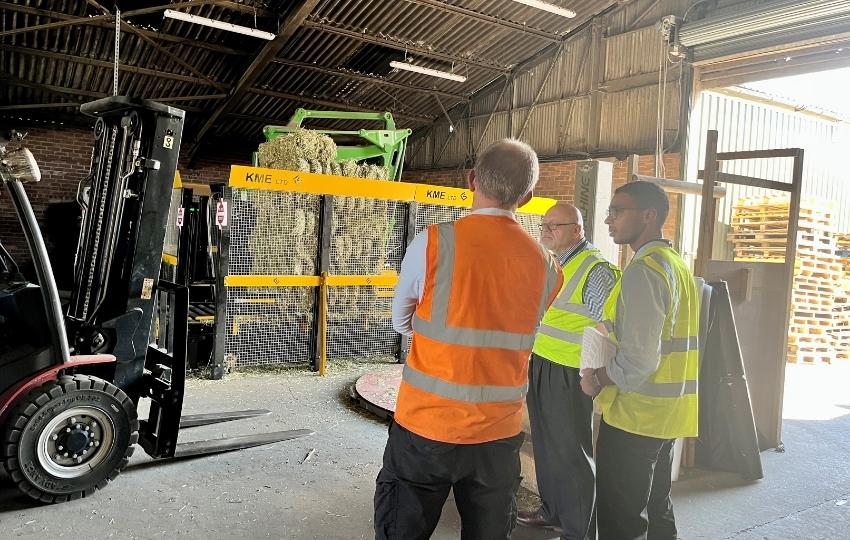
x,y
325,184
379,280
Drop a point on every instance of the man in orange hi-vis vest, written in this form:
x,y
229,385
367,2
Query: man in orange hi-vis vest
x,y
471,293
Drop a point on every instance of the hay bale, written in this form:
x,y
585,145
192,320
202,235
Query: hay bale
x,y
288,150
350,168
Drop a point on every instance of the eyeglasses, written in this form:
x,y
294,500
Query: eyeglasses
x,y
554,226
615,211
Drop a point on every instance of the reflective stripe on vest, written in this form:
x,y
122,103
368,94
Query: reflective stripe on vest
x,y
563,300
668,390
463,392
680,345
438,329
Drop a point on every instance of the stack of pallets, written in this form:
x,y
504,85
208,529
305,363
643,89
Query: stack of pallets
x,y
841,324
759,230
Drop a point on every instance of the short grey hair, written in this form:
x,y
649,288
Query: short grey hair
x,y
507,171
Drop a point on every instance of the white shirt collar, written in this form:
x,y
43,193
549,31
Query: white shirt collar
x,y
494,212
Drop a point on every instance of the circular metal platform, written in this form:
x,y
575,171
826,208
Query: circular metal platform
x,y
377,390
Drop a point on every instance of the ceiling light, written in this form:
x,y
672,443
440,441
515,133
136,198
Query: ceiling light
x,y
203,21
428,71
551,8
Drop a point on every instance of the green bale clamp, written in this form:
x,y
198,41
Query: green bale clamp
x,y
386,146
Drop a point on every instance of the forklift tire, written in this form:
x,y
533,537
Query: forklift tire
x,y
68,438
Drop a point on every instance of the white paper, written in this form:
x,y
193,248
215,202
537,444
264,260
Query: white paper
x,y
596,349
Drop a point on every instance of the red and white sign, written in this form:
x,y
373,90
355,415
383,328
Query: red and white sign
x,y
180,213
221,214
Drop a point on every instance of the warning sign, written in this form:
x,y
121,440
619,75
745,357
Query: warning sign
x,y
180,217
221,214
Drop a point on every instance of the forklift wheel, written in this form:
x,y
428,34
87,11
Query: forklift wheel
x,y
70,437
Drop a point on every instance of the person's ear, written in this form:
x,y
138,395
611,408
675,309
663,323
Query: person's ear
x,y
528,196
651,216
470,180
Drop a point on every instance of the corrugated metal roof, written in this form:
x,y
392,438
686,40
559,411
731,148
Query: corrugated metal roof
x,y
196,67
599,97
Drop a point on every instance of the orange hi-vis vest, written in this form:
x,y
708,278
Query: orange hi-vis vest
x,y
487,285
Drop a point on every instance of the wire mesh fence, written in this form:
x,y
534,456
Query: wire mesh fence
x,y
271,233
367,239
265,326
429,214
279,233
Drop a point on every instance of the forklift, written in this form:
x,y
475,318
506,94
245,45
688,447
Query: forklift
x,y
73,375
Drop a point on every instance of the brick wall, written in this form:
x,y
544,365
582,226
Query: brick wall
x,y
64,157
557,180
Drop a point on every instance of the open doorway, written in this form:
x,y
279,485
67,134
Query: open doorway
x,y
800,110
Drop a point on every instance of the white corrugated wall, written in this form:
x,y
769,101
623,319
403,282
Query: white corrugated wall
x,y
743,124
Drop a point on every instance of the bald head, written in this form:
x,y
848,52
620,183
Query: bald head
x,y
564,211
562,227
506,172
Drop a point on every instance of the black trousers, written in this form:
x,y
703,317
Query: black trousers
x,y
561,417
633,485
418,473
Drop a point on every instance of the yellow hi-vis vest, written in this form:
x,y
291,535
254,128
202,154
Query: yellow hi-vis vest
x,y
665,406
559,336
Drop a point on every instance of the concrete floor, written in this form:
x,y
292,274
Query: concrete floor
x,y
271,492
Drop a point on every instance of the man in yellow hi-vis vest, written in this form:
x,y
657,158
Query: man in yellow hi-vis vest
x,y
561,415
648,392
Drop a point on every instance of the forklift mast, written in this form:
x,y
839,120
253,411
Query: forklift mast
x,y
125,202
69,419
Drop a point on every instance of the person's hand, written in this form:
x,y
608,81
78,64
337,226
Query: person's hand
x,y
587,384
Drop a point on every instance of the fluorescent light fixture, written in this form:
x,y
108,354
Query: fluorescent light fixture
x,y
551,8
428,71
203,21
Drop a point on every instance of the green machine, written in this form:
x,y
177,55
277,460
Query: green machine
x,y
384,147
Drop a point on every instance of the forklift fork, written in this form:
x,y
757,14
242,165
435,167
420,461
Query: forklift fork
x,y
164,383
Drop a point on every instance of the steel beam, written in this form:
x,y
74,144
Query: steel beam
x,y
133,30
103,21
402,46
680,187
552,63
101,63
367,78
333,104
270,51
490,116
483,17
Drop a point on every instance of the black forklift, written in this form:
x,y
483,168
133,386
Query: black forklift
x,y
73,372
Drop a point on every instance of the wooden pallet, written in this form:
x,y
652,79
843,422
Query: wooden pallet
x,y
780,236
759,233
811,357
